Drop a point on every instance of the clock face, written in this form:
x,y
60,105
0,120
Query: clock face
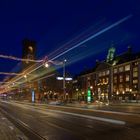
x,y
30,48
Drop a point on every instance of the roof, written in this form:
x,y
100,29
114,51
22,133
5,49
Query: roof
x,y
118,59
125,57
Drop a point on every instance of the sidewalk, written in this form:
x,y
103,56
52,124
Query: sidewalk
x,y
8,131
85,105
125,104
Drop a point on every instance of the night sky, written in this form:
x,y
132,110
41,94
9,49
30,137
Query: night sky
x,y
52,23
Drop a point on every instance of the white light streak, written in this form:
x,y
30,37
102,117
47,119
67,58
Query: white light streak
x,y
19,59
70,49
95,35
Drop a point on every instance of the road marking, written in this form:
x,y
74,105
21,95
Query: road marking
x,y
94,110
3,118
11,127
92,117
78,108
23,123
79,115
45,116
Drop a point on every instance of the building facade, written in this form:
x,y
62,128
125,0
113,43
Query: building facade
x,y
29,52
116,78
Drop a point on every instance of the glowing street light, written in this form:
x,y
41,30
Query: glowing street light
x,y
46,65
25,76
77,89
91,87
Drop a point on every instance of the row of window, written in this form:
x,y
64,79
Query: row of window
x,y
127,78
116,70
121,78
127,88
122,68
104,73
126,68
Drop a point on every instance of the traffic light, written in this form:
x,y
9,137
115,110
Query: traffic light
x,y
89,95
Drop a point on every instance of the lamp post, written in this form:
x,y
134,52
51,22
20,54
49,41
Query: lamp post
x,y
64,76
60,78
77,94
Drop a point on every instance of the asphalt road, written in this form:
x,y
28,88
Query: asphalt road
x,y
58,123
121,108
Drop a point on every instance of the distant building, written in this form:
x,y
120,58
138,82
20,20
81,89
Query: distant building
x,y
29,52
116,78
46,86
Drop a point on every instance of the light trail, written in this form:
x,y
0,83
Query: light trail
x,y
10,73
19,59
78,38
95,35
86,40
82,42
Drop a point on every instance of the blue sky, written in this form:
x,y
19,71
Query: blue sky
x,y
52,23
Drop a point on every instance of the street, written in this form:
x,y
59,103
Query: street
x,y
64,123
70,70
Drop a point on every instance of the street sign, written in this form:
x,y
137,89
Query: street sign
x,y
61,78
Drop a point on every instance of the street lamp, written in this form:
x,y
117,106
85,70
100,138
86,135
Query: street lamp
x,y
91,87
46,65
25,76
117,93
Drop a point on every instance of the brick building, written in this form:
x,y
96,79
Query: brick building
x,y
116,78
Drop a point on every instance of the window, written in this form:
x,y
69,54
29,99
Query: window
x,y
121,88
135,87
127,78
115,70
135,74
88,78
135,69
135,63
103,73
107,72
100,74
127,88
135,81
127,67
115,88
115,79
107,80
121,78
120,69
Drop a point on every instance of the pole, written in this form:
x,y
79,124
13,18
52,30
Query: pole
x,y
64,82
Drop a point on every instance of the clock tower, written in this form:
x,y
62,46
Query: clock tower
x,y
29,52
